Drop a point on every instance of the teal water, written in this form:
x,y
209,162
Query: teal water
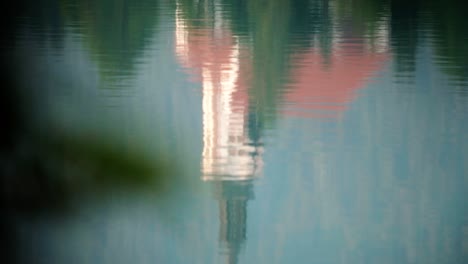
x,y
300,131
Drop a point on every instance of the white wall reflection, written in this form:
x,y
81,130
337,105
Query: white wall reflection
x,y
228,153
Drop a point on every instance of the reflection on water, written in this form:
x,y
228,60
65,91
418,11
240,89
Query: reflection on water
x,y
230,159
228,152
325,78
322,87
347,119
232,199
115,33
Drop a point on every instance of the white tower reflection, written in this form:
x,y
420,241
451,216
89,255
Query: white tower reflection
x,y
230,159
228,153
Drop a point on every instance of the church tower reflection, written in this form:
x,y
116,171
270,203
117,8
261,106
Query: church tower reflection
x,y
232,199
231,157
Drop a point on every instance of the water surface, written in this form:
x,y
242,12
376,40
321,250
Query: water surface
x,y
304,131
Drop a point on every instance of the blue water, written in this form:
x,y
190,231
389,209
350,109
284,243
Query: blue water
x,y
300,131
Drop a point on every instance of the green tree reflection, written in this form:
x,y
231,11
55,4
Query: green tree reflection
x,y
450,27
444,23
116,32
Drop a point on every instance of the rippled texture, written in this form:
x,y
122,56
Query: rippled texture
x,y
302,131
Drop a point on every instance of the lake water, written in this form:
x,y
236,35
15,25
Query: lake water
x,y
300,131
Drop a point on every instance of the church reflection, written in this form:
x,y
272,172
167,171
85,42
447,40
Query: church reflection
x,y
322,84
231,157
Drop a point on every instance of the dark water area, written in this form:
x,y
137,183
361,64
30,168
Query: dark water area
x,y
294,131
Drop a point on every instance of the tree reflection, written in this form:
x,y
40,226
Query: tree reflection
x,y
443,23
450,28
116,32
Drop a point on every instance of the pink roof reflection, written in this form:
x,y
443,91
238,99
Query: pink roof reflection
x,y
323,90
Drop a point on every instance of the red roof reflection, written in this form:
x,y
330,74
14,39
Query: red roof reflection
x,y
322,87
